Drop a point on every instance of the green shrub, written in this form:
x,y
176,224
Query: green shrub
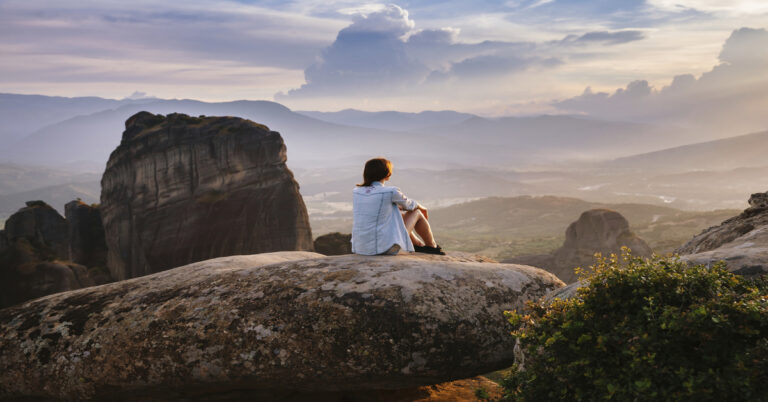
x,y
640,330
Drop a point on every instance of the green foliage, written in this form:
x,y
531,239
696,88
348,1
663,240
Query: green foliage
x,y
482,394
654,329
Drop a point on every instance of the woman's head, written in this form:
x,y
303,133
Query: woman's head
x,y
377,169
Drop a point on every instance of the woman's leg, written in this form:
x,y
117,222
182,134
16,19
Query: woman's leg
x,y
416,220
414,239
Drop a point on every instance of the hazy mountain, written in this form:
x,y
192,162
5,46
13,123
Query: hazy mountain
x,y
56,196
310,142
20,178
460,140
390,120
555,138
749,150
24,114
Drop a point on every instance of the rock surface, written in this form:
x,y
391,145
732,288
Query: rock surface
x,y
305,324
334,244
596,231
33,254
741,241
87,244
180,189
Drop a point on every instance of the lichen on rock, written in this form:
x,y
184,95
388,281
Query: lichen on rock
x,y
276,321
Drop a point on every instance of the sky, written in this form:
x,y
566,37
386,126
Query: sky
x,y
675,61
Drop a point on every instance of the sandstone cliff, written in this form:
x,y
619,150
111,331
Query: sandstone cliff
x,y
596,231
180,189
741,241
269,324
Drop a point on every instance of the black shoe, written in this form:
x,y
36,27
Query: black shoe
x,y
429,250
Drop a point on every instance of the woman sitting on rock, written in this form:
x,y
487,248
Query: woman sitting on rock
x,y
379,227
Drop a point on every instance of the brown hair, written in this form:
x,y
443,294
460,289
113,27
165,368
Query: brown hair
x,y
376,169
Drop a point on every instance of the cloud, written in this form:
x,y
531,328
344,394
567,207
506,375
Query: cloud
x,y
173,49
733,7
383,52
367,55
442,36
184,31
730,96
605,37
491,66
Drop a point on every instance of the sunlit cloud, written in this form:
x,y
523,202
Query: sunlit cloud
x,y
729,96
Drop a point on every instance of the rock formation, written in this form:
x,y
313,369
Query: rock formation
x,y
33,254
596,231
87,244
334,244
42,226
304,323
741,241
180,189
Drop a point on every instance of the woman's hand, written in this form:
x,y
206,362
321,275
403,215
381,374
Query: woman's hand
x,y
423,211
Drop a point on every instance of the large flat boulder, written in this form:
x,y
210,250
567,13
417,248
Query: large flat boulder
x,y
304,323
180,189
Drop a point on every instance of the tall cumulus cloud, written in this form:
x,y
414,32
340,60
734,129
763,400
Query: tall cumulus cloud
x,y
383,52
367,55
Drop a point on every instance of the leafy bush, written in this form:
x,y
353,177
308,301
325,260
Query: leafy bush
x,y
639,329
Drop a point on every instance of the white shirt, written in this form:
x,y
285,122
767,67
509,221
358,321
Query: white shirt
x,y
378,224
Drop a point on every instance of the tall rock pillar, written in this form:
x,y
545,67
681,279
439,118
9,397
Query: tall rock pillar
x,y
180,189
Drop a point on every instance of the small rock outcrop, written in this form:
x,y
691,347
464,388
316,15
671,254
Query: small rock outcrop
x,y
33,256
263,324
42,226
596,231
334,244
741,241
180,189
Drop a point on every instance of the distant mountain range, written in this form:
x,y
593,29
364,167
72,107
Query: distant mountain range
x,y
55,131
749,150
94,136
390,120
24,114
